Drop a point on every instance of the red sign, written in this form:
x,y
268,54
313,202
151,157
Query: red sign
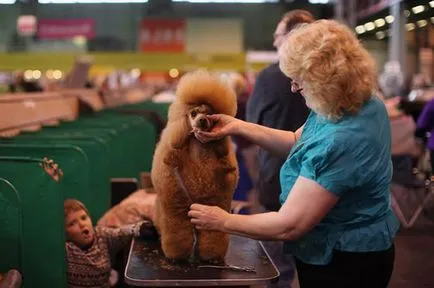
x,y
162,35
65,29
26,25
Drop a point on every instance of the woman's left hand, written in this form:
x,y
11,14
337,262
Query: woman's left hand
x,y
208,217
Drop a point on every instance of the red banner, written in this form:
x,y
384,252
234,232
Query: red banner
x,y
161,35
65,29
26,25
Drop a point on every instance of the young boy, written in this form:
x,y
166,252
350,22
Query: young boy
x,y
89,250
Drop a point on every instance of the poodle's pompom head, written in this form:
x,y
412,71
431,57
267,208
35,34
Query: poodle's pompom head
x,y
202,87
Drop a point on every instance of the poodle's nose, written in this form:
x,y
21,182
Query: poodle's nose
x,y
202,123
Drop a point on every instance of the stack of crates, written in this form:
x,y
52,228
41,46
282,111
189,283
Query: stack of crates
x,y
114,143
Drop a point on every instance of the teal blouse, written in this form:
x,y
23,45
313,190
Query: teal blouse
x,y
351,158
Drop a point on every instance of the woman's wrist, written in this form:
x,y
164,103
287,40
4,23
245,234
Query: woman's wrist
x,y
240,128
226,223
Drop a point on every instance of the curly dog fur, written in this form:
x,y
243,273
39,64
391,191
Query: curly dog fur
x,y
210,170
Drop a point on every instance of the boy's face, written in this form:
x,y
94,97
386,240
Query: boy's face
x,y
79,229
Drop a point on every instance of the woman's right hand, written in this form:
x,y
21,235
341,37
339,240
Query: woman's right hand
x,y
223,125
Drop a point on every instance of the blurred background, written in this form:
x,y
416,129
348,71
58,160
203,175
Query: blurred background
x,y
152,40
160,39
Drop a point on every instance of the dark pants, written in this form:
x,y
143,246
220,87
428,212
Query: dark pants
x,y
349,269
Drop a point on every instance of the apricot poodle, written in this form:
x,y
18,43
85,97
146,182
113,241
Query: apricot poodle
x,y
206,173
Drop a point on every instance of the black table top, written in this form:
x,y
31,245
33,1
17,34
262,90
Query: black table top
x,y
147,266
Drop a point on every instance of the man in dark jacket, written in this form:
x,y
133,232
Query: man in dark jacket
x,y
273,104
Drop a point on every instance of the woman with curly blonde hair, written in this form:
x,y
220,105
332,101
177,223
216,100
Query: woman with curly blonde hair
x,y
336,217
337,77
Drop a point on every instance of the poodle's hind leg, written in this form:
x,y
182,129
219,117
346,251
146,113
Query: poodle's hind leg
x,y
212,245
177,239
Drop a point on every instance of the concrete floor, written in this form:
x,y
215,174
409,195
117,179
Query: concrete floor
x,y
414,263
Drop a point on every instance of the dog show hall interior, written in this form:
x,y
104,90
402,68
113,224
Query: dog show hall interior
x,y
161,143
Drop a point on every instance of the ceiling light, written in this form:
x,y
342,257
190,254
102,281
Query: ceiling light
x,y
225,1
431,3
380,22
380,35
89,1
49,74
57,74
369,26
360,29
173,73
410,26
418,9
389,19
28,75
422,23
36,74
135,73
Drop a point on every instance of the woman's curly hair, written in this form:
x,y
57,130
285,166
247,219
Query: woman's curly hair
x,y
326,59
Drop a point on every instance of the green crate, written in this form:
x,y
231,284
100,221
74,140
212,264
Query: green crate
x,y
97,152
161,108
134,145
11,227
72,160
42,235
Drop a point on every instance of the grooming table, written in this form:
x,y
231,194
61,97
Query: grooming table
x,y
147,266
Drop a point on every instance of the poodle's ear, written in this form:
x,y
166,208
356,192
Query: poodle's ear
x,y
180,133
